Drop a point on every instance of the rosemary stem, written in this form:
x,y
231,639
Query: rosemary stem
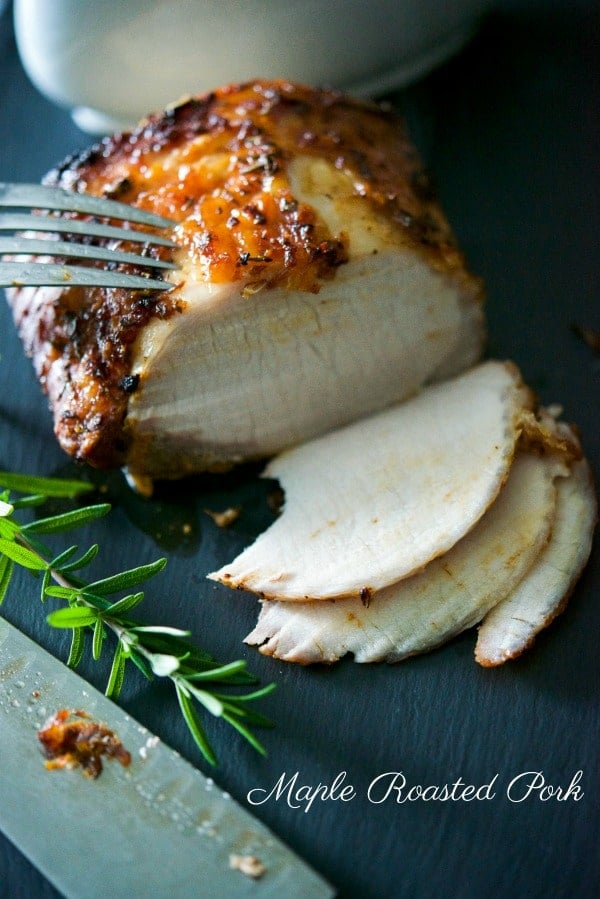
x,y
157,650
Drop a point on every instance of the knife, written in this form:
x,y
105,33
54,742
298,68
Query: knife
x,y
156,828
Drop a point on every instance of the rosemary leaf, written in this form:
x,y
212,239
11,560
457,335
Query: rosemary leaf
x,y
99,634
246,733
28,502
221,673
68,593
63,557
22,555
45,583
8,529
159,629
126,579
249,715
54,487
73,616
165,643
82,561
117,673
249,697
77,647
194,726
67,520
6,570
208,700
126,604
239,678
141,663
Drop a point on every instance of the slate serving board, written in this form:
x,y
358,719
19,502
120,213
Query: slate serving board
x,y
509,130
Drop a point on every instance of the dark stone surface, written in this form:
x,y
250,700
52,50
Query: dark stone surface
x,y
509,129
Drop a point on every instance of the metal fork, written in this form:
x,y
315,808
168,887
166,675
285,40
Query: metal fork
x,y
54,200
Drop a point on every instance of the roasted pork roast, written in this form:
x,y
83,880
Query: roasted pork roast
x,y
319,282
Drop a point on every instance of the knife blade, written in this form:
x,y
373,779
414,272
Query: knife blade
x,y
156,828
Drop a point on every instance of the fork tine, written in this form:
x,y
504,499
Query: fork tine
x,y
22,222
38,196
38,273
27,246
43,274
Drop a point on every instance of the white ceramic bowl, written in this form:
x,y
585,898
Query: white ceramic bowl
x,y
113,61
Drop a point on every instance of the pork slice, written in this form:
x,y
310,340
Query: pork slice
x,y
375,501
513,624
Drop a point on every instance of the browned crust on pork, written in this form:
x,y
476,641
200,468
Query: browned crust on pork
x,y
80,343
232,227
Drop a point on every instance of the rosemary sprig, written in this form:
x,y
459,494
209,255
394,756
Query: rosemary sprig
x,y
97,609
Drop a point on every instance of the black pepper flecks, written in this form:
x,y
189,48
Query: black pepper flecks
x,y
129,383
